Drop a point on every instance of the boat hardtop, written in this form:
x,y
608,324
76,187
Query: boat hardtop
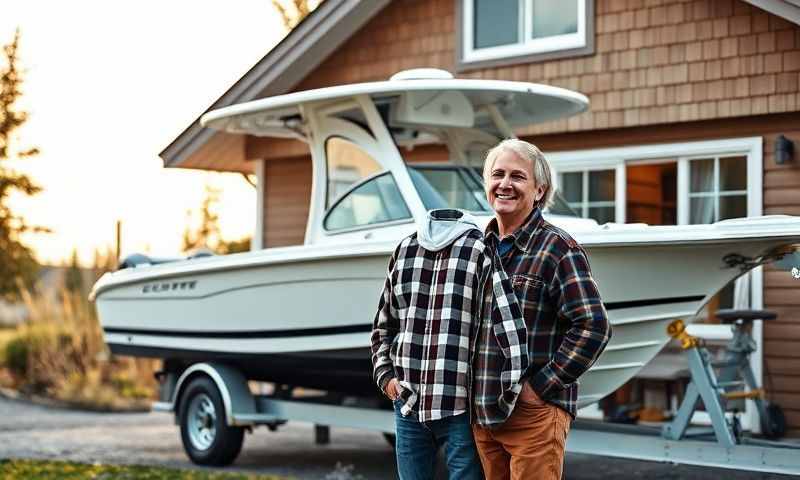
x,y
467,103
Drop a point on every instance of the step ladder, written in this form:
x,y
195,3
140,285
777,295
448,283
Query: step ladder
x,y
722,386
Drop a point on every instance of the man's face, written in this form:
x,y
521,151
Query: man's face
x,y
510,187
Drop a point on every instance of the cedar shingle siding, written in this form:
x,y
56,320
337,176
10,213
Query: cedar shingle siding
x,y
655,61
663,71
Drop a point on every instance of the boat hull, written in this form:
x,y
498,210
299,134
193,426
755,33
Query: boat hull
x,y
307,322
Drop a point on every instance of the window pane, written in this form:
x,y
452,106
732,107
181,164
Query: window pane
x,y
451,189
496,23
554,17
602,214
734,206
601,186
347,165
733,173
572,186
701,210
376,201
561,207
701,176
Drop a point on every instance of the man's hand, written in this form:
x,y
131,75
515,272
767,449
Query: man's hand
x,y
528,394
391,389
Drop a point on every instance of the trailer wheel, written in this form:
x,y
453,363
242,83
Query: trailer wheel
x,y
206,437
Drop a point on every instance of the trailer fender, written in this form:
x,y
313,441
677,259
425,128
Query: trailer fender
x,y
232,386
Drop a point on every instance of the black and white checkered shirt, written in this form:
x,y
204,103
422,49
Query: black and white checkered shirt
x,y
429,314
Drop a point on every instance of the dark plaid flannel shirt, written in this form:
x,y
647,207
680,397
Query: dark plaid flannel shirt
x,y
425,330
567,323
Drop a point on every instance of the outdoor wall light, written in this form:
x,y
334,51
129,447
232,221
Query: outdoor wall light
x,y
784,150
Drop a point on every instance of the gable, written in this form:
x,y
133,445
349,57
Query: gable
x,y
653,64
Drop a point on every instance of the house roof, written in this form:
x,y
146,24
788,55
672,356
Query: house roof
x,y
293,59
302,50
786,9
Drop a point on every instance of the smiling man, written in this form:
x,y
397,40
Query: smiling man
x,y
565,318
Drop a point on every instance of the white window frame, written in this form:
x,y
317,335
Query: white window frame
x,y
684,214
585,204
619,158
257,243
528,46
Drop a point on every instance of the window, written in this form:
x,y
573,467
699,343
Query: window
x,y
590,193
493,30
378,200
717,189
651,191
347,165
449,188
680,183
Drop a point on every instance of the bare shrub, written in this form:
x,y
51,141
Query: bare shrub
x,y
60,353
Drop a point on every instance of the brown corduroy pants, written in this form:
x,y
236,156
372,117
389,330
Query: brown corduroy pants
x,y
530,445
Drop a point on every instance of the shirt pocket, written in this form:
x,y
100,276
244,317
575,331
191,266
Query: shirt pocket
x,y
531,295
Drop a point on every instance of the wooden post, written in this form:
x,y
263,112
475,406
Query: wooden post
x,y
119,239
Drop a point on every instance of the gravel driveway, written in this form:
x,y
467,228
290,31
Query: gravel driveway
x,y
31,431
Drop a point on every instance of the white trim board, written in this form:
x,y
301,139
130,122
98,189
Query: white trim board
x,y
258,235
609,157
526,45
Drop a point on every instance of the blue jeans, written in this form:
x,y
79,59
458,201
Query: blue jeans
x,y
417,443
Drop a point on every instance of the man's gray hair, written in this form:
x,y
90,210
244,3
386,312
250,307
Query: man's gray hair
x,y
540,167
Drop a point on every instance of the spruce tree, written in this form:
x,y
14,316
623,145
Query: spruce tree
x,y
17,264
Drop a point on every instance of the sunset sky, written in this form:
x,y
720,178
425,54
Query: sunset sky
x,y
108,85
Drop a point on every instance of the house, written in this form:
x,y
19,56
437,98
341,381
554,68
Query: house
x,y
694,108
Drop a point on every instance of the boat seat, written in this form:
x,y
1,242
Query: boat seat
x,y
730,315
137,259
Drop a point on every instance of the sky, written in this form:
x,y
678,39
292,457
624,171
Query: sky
x,y
107,86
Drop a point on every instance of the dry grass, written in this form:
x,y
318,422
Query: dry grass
x,y
44,469
60,353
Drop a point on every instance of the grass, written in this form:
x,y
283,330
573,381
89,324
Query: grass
x,y
47,470
59,353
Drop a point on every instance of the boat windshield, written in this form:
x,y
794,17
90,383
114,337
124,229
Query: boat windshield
x,y
449,187
460,187
561,207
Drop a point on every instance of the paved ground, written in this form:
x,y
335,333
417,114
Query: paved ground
x,y
30,431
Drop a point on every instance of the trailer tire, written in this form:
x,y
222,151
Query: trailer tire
x,y
205,434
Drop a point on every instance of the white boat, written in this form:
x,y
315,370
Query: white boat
x,y
302,315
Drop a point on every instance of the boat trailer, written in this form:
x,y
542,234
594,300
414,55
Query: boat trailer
x,y
213,405
720,386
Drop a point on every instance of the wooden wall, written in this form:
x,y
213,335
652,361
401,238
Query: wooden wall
x,y
286,200
781,290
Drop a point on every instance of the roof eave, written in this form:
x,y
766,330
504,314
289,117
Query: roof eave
x,y
302,50
786,9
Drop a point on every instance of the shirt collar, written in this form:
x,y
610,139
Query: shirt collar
x,y
523,236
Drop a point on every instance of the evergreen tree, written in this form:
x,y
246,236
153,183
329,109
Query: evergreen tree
x,y
74,277
293,11
207,234
17,264
104,261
